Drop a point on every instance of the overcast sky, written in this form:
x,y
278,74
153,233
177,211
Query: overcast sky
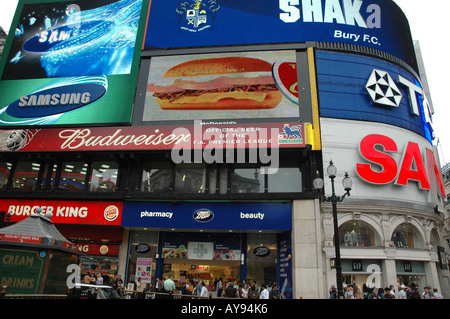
x,y
429,24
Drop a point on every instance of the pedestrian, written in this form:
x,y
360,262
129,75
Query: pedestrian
x,y
93,279
204,291
274,293
380,294
253,292
415,293
118,283
333,292
372,294
230,291
243,291
402,292
392,290
169,285
198,288
436,294
387,293
264,292
87,278
220,287
349,293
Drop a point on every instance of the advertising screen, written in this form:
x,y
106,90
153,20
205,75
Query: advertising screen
x,y
376,24
247,85
71,62
357,87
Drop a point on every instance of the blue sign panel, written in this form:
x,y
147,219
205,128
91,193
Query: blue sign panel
x,y
357,87
378,24
193,215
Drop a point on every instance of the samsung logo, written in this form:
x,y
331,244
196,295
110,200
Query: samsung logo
x,y
55,99
64,96
203,215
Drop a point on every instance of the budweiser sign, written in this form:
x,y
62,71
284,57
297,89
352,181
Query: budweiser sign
x,y
199,135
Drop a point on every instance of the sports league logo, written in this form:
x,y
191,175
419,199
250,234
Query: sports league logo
x,y
290,135
195,16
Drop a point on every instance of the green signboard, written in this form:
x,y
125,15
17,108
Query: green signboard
x,y
22,271
71,62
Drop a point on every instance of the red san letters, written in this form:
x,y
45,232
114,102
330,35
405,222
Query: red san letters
x,y
377,149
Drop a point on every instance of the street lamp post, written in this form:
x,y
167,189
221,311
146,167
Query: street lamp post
x,y
334,199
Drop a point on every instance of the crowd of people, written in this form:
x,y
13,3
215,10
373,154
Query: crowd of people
x,y
405,292
163,288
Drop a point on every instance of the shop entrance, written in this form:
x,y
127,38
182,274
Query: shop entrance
x,y
209,271
191,257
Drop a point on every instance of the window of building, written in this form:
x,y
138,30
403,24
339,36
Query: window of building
x,y
25,176
103,176
5,169
218,180
262,258
156,177
406,236
247,180
73,176
190,178
358,234
285,180
142,262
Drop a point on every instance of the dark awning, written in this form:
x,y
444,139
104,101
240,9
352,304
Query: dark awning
x,y
36,231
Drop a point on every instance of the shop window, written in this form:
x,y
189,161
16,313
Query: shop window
x,y
247,180
141,263
406,236
25,176
103,176
285,180
262,258
434,239
5,169
218,180
190,178
49,176
156,177
73,176
358,234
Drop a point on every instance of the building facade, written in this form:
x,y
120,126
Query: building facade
x,y
181,141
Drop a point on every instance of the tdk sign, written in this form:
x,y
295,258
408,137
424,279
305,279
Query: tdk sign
x,y
203,215
64,96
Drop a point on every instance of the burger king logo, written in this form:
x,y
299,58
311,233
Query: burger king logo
x,y
104,250
111,213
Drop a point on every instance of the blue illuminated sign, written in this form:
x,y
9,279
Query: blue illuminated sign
x,y
378,24
357,87
255,216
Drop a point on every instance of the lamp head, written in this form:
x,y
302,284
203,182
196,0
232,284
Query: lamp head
x,y
331,170
347,183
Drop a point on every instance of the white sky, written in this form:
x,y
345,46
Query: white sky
x,y
429,24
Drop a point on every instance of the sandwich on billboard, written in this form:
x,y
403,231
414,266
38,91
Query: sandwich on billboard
x,y
71,62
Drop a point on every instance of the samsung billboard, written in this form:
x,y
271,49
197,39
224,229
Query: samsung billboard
x,y
71,62
376,24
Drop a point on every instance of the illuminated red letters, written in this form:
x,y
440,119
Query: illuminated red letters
x,y
376,148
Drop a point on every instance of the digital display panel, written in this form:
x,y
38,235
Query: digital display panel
x,y
246,85
357,87
376,24
71,62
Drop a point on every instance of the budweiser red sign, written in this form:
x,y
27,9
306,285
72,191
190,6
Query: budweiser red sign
x,y
197,135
